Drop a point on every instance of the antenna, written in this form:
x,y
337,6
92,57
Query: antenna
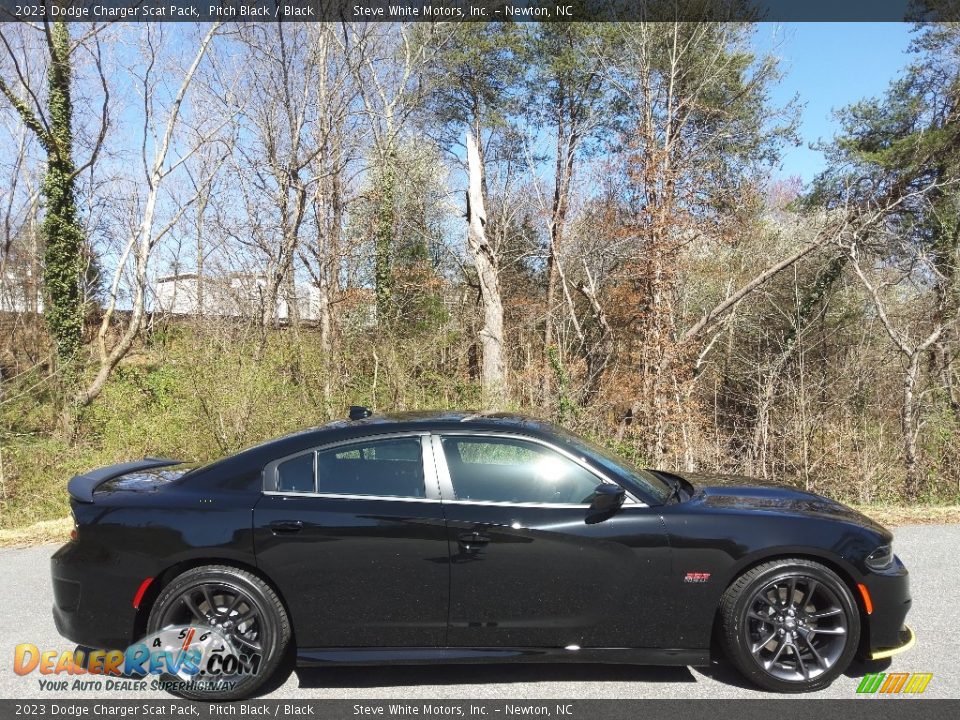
x,y
359,412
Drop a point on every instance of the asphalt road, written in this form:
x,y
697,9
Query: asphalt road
x,y
930,552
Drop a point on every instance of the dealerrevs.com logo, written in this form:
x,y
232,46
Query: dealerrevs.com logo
x,y
176,658
894,683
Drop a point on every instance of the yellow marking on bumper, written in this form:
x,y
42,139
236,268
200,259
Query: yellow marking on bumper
x,y
911,640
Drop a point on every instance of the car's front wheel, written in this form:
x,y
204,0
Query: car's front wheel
x,y
232,620
790,625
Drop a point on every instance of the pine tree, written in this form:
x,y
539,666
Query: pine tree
x,y
899,156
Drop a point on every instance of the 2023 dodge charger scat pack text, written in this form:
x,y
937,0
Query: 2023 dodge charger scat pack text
x,y
457,537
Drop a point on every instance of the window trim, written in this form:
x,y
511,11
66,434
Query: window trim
x,y
270,477
449,496
275,472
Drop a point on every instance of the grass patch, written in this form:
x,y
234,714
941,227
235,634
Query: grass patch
x,y
39,533
896,515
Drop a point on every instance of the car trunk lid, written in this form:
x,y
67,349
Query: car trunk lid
x,y
137,475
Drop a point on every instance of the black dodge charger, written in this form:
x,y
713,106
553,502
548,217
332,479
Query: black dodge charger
x,y
458,537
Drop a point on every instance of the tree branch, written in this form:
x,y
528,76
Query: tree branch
x,y
717,312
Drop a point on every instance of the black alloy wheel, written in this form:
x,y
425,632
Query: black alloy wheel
x,y
241,608
790,625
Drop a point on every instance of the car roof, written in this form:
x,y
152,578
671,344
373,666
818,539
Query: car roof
x,y
440,420
339,430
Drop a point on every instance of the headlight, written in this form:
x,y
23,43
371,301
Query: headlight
x,y
881,558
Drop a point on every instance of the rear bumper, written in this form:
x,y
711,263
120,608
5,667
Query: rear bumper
x,y
92,603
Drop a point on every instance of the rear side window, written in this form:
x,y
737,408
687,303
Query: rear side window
x,y
296,474
388,468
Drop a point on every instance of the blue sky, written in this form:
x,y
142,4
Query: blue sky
x,y
830,65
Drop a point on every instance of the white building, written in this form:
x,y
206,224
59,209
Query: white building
x,y
232,295
20,293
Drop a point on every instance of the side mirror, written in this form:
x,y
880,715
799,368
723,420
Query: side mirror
x,y
607,499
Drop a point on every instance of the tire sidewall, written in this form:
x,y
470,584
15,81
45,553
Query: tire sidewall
x,y
735,635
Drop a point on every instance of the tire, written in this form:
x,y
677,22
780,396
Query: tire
x,y
231,595
810,640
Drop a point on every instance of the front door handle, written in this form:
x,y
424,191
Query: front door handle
x,y
286,527
473,541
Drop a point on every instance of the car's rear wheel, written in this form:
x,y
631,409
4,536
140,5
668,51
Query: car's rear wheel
x,y
236,606
790,625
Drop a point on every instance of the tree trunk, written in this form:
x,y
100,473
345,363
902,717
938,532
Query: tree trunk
x,y
563,172
913,352
805,312
198,289
63,261
757,459
908,426
332,277
493,369
383,239
293,303
271,291
599,353
63,253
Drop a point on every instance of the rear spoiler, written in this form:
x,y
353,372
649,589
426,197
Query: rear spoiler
x,y
81,487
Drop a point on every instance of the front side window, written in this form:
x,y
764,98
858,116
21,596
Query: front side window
x,y
649,482
392,467
515,471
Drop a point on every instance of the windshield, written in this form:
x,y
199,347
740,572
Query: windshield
x,y
652,484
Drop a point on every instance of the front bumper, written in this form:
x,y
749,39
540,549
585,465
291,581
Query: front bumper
x,y
907,641
890,594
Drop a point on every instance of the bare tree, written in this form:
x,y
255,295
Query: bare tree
x,y
569,97
277,173
389,63
338,136
493,374
141,243
913,346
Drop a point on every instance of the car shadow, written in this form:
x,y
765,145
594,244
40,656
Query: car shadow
x,y
356,677
400,676
859,668
721,670
362,677
724,672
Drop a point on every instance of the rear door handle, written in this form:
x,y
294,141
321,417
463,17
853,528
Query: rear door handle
x,y
286,526
473,541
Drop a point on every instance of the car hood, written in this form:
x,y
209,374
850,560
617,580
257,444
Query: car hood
x,y
737,492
